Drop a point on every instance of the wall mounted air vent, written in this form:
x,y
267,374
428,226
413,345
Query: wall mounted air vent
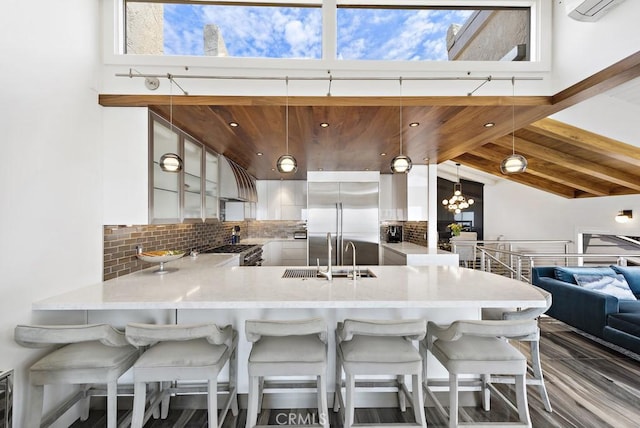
x,y
589,10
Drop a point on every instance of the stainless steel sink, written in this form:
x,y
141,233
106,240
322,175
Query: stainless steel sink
x,y
336,273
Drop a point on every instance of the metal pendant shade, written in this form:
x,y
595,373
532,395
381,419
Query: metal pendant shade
x,y
287,163
401,164
170,162
514,163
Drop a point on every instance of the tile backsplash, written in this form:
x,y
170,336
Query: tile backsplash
x,y
120,242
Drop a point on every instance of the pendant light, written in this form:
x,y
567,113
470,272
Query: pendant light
x,y
514,163
457,202
287,163
401,164
170,162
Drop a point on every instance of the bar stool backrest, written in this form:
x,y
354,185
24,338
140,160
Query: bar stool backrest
x,y
255,329
41,336
414,329
149,334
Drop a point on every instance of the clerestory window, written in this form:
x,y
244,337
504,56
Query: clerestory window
x,y
311,29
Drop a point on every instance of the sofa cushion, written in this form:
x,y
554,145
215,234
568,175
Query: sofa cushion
x,y
613,285
629,306
631,274
629,323
563,273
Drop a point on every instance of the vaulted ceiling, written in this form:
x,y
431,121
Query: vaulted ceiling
x,y
563,160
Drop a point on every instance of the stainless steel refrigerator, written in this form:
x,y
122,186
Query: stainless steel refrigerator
x,y
349,212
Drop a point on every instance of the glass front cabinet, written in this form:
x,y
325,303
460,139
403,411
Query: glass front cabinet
x,y
190,195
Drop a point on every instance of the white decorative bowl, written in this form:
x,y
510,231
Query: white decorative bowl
x,y
161,257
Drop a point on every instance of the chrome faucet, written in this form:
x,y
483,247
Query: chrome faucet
x,y
354,272
327,274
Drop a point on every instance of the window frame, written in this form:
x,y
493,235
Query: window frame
x,y
540,52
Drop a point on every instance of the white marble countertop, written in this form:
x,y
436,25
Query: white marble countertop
x,y
410,248
199,284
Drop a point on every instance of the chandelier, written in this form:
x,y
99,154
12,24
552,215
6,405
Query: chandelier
x,y
457,202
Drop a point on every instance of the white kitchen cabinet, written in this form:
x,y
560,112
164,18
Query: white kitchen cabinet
x,y
281,199
272,253
393,197
125,157
285,253
190,195
404,197
294,253
418,193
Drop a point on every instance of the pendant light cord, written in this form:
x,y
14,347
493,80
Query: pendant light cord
x,y
286,115
400,115
170,101
513,114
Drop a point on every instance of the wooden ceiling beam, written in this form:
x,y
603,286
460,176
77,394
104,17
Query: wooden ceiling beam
x,y
572,162
616,74
119,100
545,170
600,144
526,179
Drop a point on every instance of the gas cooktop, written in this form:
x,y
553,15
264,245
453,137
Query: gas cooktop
x,y
231,248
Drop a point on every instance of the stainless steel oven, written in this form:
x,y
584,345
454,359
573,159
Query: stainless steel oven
x,y
250,255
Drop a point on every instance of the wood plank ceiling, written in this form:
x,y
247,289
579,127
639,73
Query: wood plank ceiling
x,y
563,160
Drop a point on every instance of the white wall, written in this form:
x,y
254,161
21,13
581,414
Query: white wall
x,y
50,122
581,49
521,212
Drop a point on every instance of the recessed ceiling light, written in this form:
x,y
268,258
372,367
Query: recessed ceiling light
x,y
383,154
324,125
259,153
233,124
320,169
489,124
414,124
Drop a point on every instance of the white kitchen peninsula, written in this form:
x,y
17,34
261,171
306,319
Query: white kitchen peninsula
x,y
199,291
407,253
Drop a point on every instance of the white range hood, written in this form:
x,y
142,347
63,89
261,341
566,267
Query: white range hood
x,y
235,182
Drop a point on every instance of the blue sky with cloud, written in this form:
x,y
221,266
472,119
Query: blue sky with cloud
x,y
282,32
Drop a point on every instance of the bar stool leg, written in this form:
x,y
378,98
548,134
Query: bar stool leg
x,y
212,403
233,381
85,403
252,407
112,404
337,396
350,386
260,392
34,408
521,398
537,373
418,400
165,403
486,393
139,399
402,400
323,414
453,400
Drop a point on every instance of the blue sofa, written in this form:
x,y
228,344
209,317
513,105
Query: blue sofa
x,y
614,320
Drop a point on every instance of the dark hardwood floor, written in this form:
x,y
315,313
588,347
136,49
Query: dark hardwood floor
x,y
589,384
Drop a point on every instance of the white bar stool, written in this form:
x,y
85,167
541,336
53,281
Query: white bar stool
x,y
479,348
536,377
91,354
183,352
372,347
286,348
